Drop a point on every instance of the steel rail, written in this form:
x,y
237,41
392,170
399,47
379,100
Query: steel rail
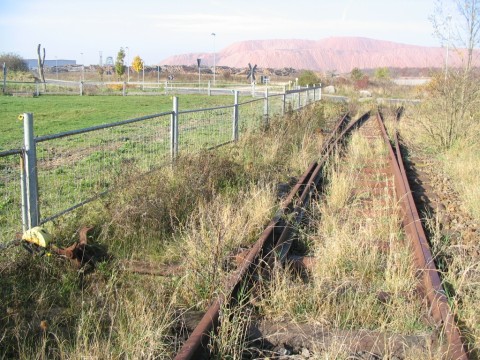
x,y
339,133
430,276
271,241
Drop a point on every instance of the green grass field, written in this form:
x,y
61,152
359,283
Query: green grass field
x,y
75,168
53,114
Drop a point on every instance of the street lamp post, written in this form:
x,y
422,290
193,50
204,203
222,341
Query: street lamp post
x,y
83,67
214,35
128,65
449,19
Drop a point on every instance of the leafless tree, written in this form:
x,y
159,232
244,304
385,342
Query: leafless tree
x,y
455,97
41,64
457,24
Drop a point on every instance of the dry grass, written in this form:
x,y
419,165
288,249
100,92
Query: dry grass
x,y
232,341
288,146
360,253
462,164
460,269
459,259
215,232
113,316
132,322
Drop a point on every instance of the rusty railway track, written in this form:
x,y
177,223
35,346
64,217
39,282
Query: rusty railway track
x,y
274,244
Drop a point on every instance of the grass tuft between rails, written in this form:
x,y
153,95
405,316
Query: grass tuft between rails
x,y
361,255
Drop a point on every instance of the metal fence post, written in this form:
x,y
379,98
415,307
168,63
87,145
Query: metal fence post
x,y
319,91
124,92
81,88
37,89
265,108
235,116
209,91
23,190
299,100
31,179
174,130
284,100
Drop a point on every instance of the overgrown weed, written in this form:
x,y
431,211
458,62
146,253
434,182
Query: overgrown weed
x,y
360,253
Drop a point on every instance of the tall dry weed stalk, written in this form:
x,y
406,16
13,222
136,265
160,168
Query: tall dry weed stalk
x,y
214,233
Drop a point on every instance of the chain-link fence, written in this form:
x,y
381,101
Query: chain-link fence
x,y
55,174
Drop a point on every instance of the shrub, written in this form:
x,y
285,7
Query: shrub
x,y
115,87
13,62
361,83
308,77
356,74
450,109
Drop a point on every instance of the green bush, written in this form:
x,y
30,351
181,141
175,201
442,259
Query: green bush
x,y
308,77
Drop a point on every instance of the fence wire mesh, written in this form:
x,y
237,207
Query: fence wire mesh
x,y
250,115
10,197
204,129
275,105
77,168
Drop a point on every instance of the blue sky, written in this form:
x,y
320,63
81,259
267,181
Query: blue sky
x,y
156,29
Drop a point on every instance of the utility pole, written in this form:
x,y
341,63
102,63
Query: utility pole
x,y
83,68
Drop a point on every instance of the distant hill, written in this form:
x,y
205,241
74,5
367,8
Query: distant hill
x,y
341,54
